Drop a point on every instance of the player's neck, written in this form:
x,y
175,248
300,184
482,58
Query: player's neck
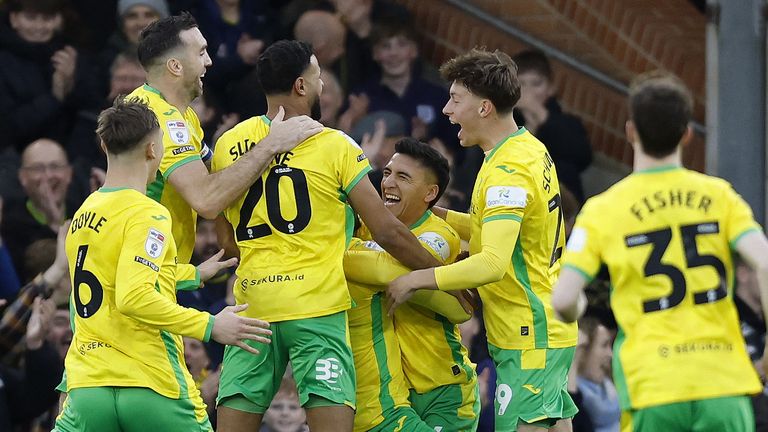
x,y
124,173
643,161
275,102
172,93
496,131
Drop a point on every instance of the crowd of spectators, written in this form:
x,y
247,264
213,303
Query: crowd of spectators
x,y
63,62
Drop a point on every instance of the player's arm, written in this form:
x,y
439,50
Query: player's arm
x,y
459,221
226,237
209,193
568,299
386,230
378,268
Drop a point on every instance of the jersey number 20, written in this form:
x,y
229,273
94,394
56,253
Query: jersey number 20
x,y
660,241
272,194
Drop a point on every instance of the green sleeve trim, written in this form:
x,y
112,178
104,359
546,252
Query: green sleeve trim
x,y
503,216
584,274
735,241
209,328
179,164
356,180
189,285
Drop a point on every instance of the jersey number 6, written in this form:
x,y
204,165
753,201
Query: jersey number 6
x,y
272,195
86,277
660,241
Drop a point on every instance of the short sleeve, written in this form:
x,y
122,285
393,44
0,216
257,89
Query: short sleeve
x,y
740,219
354,163
583,248
180,145
507,193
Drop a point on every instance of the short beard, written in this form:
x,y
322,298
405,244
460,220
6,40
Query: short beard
x,y
315,110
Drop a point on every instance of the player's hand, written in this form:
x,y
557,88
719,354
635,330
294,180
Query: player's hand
x,y
212,266
284,135
229,328
466,299
399,291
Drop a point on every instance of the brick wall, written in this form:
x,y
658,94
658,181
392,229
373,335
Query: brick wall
x,y
620,38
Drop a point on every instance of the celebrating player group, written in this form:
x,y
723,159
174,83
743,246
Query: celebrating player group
x,y
359,294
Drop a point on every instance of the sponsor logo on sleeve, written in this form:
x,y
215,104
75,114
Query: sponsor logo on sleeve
x,y
146,262
370,244
178,131
155,242
577,240
361,157
506,196
183,149
437,243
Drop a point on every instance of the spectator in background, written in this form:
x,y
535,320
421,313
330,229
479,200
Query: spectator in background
x,y
9,279
44,81
206,246
325,32
377,133
29,392
581,421
237,32
133,17
331,100
45,176
599,397
125,74
360,17
398,88
538,110
214,122
196,359
285,414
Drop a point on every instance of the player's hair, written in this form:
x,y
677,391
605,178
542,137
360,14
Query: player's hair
x,y
660,106
125,125
280,65
430,159
162,36
390,28
489,75
533,61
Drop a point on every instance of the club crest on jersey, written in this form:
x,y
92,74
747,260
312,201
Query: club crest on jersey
x,y
506,196
155,242
437,243
178,131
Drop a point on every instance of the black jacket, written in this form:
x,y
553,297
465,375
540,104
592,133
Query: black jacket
x,y
28,109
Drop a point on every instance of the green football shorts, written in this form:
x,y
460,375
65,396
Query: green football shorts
x,y
402,419
449,408
320,355
532,386
732,414
129,409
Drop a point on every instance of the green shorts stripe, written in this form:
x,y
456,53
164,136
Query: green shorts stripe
x,y
380,348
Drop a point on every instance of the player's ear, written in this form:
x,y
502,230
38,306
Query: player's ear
x,y
103,146
150,150
174,66
485,108
687,136
431,193
299,86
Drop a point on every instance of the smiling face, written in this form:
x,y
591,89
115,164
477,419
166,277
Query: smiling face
x,y
463,108
136,19
395,56
194,60
407,188
35,27
60,333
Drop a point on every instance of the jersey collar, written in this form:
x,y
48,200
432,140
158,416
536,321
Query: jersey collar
x,y
421,220
498,145
658,169
151,89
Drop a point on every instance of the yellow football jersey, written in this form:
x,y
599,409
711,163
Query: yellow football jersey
x,y
381,384
518,181
425,337
182,139
293,224
664,235
127,325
